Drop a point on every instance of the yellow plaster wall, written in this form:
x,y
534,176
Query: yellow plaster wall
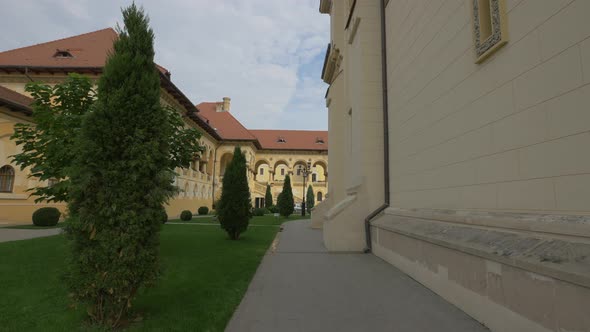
x,y
273,161
16,207
198,184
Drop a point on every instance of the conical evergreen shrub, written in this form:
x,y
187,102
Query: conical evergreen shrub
x,y
286,203
234,209
120,180
267,197
309,199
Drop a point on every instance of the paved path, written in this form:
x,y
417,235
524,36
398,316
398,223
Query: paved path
x,y
302,287
11,234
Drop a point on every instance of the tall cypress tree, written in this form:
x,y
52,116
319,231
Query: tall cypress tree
x,y
120,179
234,209
268,197
286,202
310,199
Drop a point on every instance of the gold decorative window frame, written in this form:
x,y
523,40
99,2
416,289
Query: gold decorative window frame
x,y
499,30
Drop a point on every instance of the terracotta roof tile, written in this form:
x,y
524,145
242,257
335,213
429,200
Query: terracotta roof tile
x,y
292,139
87,50
226,125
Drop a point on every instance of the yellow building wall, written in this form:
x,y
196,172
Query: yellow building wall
x,y
17,206
272,161
199,185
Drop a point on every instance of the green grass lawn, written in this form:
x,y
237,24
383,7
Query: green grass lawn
x,y
204,278
267,220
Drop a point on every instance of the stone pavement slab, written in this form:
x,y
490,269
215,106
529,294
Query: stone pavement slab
x,y
302,287
11,234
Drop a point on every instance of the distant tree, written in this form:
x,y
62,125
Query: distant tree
x,y
121,177
268,197
234,208
286,201
309,199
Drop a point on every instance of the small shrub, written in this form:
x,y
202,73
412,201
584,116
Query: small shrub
x,y
203,210
186,215
273,209
259,212
285,200
163,216
46,216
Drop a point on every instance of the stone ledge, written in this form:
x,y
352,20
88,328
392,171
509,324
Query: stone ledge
x,y
560,259
552,224
339,207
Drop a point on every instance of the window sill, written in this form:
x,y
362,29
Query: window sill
x,y
14,196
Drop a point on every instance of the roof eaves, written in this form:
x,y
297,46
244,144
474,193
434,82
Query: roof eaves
x,y
16,106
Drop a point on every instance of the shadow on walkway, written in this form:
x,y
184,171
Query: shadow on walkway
x,y
302,287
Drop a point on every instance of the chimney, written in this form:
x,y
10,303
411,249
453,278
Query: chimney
x,y
226,104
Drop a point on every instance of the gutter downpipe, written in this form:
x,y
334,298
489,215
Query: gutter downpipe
x,y
386,196
27,74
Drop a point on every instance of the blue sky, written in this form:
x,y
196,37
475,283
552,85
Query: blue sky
x,y
266,55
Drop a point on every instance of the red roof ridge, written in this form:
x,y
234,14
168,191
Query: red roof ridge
x,y
60,39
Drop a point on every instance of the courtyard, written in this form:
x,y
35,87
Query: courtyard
x,y
264,282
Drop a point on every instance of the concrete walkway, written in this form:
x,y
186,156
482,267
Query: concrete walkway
x,y
11,234
302,287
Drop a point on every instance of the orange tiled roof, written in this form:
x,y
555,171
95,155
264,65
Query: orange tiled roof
x,y
229,128
224,123
87,50
15,100
292,139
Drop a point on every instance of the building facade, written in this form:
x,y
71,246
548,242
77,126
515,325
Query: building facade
x,y
271,154
464,125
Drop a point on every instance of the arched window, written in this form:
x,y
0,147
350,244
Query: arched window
x,y
6,179
320,196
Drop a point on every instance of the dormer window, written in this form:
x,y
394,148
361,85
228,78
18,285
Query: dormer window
x,y
319,140
281,140
63,54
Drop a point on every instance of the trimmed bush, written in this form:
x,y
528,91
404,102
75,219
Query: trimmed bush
x,y
285,201
203,210
259,212
235,206
186,215
46,216
273,209
268,198
163,216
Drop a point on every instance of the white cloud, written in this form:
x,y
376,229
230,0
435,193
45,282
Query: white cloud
x,y
249,50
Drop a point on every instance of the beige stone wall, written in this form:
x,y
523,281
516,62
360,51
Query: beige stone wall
x,y
355,122
505,298
507,134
